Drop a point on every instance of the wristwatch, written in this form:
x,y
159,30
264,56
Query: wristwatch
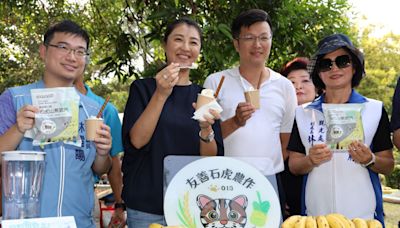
x,y
370,163
209,138
120,205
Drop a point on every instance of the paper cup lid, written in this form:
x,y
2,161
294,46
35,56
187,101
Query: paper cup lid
x,y
226,182
23,155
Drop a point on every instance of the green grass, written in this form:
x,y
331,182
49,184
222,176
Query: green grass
x,y
392,214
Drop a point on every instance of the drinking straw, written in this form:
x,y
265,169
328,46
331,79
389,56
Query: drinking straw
x,y
103,107
219,86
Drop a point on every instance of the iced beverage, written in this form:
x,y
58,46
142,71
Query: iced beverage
x,y
253,97
92,125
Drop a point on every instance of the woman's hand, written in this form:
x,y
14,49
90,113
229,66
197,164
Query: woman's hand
x,y
359,152
319,154
166,79
104,142
209,119
26,118
208,146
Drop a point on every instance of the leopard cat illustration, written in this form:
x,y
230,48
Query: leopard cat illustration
x,y
219,213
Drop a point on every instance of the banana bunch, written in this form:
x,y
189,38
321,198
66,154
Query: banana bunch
x,y
329,221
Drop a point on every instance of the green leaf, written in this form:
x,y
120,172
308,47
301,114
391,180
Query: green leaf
x,y
105,60
159,15
225,30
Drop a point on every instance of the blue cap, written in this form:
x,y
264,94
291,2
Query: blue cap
x,y
332,43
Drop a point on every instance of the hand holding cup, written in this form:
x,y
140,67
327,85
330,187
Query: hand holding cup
x,y
207,107
244,111
104,141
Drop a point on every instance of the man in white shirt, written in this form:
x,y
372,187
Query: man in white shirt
x,y
261,134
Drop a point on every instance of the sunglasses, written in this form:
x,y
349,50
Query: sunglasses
x,y
341,62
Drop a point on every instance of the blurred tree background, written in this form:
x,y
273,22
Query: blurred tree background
x,y
126,39
126,35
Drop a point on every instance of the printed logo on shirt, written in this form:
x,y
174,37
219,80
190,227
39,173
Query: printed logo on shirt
x,y
79,155
81,127
82,133
82,140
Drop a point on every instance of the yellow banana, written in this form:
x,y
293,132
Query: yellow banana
x,y
334,221
301,223
347,223
360,223
322,222
155,225
310,222
351,223
289,222
374,224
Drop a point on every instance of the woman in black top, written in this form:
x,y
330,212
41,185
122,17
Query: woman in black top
x,y
158,122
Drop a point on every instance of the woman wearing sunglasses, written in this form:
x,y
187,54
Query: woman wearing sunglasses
x,y
344,182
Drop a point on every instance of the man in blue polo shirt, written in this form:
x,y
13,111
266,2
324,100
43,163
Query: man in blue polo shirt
x,y
67,188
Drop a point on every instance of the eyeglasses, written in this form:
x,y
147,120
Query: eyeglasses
x,y
252,39
64,49
341,62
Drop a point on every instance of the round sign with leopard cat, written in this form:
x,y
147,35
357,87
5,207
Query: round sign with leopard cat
x,y
221,192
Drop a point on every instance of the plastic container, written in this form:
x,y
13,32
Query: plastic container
x,y
22,176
